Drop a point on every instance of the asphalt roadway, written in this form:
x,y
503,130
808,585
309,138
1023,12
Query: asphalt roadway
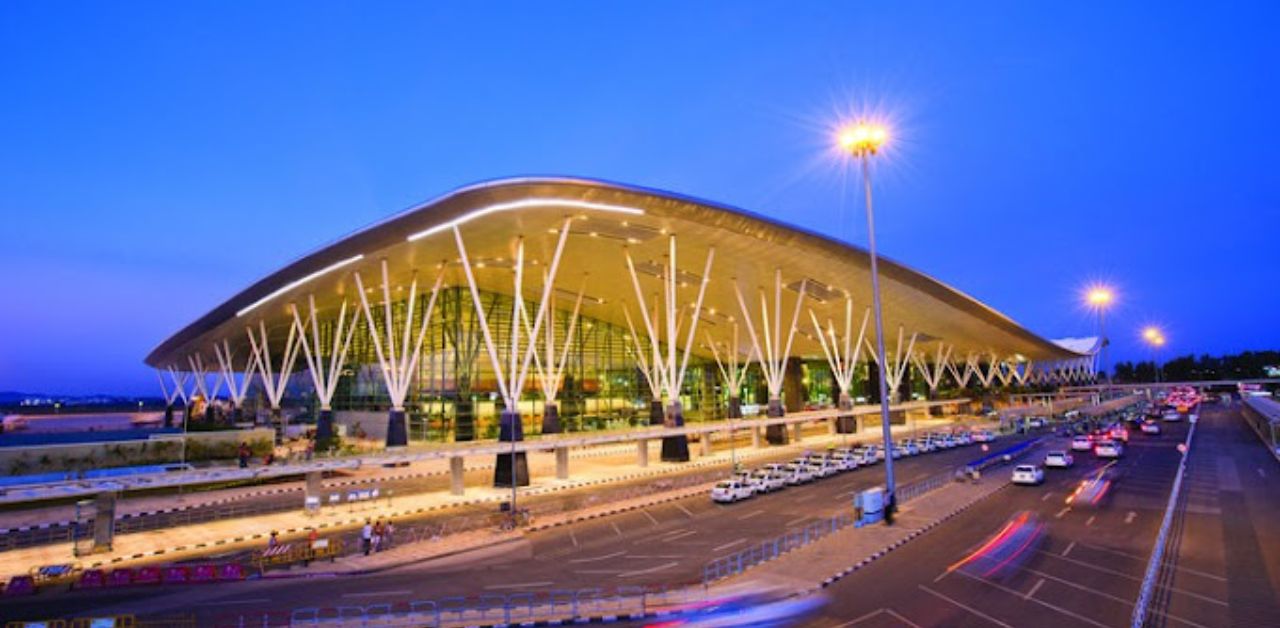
x,y
1223,569
666,544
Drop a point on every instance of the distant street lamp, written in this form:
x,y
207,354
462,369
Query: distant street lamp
x,y
1100,298
862,141
1154,338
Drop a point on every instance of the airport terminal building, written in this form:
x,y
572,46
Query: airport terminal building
x,y
582,305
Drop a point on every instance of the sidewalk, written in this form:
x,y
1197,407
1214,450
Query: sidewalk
x,y
222,536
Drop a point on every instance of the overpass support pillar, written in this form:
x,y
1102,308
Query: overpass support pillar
x,y
797,430
704,442
456,472
562,463
642,453
755,437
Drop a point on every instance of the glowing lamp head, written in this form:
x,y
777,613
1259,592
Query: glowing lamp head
x,y
1150,334
862,138
1099,296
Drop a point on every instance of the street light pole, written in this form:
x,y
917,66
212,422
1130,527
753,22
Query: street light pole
x,y
886,431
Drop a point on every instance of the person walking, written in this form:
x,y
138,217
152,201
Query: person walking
x,y
274,541
366,537
387,532
244,454
378,531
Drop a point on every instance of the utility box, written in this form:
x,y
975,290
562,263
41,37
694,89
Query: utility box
x,y
869,506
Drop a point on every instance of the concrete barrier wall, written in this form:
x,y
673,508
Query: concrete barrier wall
x,y
160,449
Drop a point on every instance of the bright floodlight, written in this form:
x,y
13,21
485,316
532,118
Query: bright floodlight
x,y
863,138
1150,334
1099,296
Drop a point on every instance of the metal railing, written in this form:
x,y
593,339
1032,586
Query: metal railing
x,y
739,562
1157,554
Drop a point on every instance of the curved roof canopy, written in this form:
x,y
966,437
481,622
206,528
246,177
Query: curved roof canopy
x,y
608,219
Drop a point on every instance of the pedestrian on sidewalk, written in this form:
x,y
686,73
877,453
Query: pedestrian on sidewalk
x,y
274,541
387,532
378,531
244,454
366,537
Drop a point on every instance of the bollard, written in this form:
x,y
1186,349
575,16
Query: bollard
x,y
562,463
642,453
456,471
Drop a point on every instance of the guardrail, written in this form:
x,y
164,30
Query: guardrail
x,y
1157,554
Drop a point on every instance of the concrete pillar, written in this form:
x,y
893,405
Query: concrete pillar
x,y
831,426
642,453
314,488
562,463
755,437
796,429
456,470
704,441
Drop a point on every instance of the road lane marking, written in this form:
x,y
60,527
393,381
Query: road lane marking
x,y
646,513
1046,497
595,558
1135,579
1036,600
573,537
257,600
750,515
378,593
616,529
1062,512
964,606
518,585
670,538
728,545
1070,547
795,521
632,574
1130,517
684,510
1039,583
1091,519
888,611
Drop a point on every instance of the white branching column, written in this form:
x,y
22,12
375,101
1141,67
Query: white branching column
x,y
842,356
962,376
733,372
774,351
200,373
274,381
237,389
171,395
670,366
993,367
325,361
897,367
933,373
398,353
513,470
650,367
551,368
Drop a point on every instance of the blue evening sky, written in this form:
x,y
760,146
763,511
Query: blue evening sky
x,y
158,156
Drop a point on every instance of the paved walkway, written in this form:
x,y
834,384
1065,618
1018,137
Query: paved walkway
x,y
225,535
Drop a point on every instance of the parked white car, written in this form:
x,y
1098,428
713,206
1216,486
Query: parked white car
x,y
1028,474
846,459
730,491
1036,421
767,481
1150,427
871,454
964,438
818,465
1059,460
798,473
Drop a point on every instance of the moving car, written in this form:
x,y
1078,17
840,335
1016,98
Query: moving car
x,y
1108,449
1036,421
1150,427
1058,460
730,491
1028,474
1081,443
983,436
1120,433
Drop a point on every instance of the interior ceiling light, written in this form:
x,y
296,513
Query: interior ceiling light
x,y
298,282
526,204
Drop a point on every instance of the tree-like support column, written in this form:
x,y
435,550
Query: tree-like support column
x,y
551,369
512,470
897,367
171,395
665,370
273,381
933,376
325,375
398,365
774,351
842,356
200,374
238,389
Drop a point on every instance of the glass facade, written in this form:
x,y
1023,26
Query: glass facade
x,y
455,396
